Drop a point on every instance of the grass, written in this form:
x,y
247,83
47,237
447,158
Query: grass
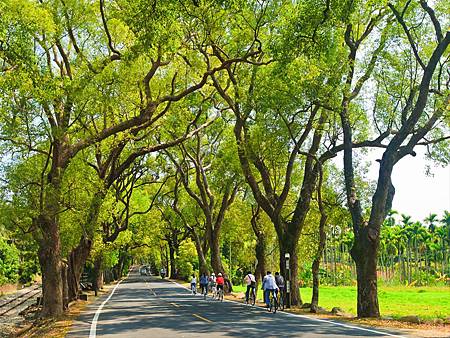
x,y
398,301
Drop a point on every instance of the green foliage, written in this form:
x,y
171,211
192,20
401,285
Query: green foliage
x,y
9,262
187,262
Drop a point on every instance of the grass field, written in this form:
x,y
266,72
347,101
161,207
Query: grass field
x,y
425,302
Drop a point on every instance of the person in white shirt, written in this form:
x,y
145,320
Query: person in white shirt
x,y
251,285
194,284
269,285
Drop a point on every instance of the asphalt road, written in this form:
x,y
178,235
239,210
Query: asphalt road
x,y
149,307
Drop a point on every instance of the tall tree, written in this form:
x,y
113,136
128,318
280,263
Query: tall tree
x,y
409,127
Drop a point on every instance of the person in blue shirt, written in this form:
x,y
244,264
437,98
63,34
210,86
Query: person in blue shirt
x,y
204,283
269,285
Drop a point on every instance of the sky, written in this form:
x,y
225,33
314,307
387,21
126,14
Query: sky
x,y
417,194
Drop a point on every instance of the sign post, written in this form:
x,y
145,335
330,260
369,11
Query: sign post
x,y
288,281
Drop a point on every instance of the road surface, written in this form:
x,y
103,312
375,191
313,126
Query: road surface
x,y
144,306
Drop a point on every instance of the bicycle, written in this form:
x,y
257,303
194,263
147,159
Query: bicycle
x,y
251,297
213,289
273,303
220,294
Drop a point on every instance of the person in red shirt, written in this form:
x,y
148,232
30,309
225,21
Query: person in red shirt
x,y
220,282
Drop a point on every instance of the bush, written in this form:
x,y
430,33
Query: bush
x,y
9,262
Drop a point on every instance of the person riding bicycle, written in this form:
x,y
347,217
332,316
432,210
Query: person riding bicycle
x,y
212,283
204,283
194,284
162,273
220,282
269,285
251,285
279,279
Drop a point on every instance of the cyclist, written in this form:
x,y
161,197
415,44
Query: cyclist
x,y
280,283
220,282
204,283
251,285
162,272
194,284
212,284
269,285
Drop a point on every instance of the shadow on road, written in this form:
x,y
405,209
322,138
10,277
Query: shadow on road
x,y
134,311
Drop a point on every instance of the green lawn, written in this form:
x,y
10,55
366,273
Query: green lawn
x,y
426,302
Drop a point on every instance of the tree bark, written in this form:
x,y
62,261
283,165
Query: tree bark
x,y
98,273
364,253
173,264
76,262
51,268
320,248
66,300
260,248
216,261
203,265
289,244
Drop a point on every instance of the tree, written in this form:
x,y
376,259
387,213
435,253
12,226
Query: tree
x,y
414,122
214,195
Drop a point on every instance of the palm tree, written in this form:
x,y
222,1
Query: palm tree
x,y
444,236
407,232
431,221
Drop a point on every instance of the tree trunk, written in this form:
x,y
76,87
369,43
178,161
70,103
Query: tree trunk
x,y
51,268
316,263
64,271
203,265
173,265
98,273
216,261
289,245
364,253
77,260
260,251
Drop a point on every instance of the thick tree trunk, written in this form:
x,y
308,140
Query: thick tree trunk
x,y
364,253
288,245
77,260
51,268
203,265
216,261
260,251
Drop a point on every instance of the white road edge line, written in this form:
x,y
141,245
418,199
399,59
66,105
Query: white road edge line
x,y
312,318
93,331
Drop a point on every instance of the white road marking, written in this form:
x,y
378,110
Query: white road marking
x,y
93,331
312,318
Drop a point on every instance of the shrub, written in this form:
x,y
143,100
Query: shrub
x,y
9,262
